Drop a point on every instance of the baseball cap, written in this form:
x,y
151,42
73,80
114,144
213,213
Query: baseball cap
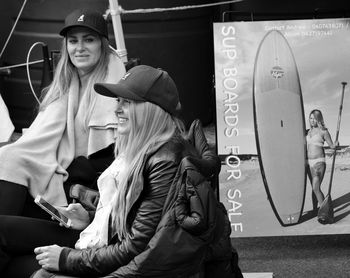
x,y
144,83
85,18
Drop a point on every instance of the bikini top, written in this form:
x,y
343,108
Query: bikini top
x,y
316,139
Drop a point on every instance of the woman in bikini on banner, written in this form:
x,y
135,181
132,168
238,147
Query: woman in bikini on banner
x,y
315,137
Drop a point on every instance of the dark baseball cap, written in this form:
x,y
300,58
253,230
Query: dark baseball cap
x,y
85,18
144,83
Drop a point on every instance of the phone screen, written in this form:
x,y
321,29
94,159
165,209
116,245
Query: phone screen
x,y
52,210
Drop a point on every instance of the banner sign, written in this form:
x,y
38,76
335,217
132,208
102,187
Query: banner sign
x,y
269,77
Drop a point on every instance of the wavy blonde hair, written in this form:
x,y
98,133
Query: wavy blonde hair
x,y
66,71
318,117
151,127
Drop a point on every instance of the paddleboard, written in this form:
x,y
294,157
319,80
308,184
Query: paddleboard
x,y
280,127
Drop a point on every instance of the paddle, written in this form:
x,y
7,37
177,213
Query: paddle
x,y
325,213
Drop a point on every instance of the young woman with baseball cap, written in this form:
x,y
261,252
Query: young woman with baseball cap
x,y
148,151
71,139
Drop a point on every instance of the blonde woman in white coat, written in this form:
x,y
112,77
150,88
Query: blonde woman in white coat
x,y
74,126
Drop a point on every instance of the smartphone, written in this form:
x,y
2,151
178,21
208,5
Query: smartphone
x,y
52,211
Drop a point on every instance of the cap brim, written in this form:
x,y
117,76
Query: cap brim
x,y
116,90
65,30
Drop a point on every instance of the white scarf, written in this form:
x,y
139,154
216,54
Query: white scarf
x,y
39,159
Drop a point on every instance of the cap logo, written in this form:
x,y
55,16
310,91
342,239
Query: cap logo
x,y
126,76
81,18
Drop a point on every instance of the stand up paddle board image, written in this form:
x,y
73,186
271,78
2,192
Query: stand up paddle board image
x,y
280,127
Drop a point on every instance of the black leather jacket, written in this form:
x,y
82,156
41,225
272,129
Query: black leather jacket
x,y
144,214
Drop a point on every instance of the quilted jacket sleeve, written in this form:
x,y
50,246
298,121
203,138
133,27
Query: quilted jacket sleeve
x,y
158,178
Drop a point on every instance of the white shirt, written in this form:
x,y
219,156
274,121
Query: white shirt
x,y
96,234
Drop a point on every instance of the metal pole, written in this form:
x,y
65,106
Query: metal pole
x,y
118,30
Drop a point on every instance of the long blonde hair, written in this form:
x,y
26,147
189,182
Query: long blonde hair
x,y
151,127
66,71
319,118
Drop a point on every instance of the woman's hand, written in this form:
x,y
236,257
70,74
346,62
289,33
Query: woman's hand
x,y
48,257
336,145
77,214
